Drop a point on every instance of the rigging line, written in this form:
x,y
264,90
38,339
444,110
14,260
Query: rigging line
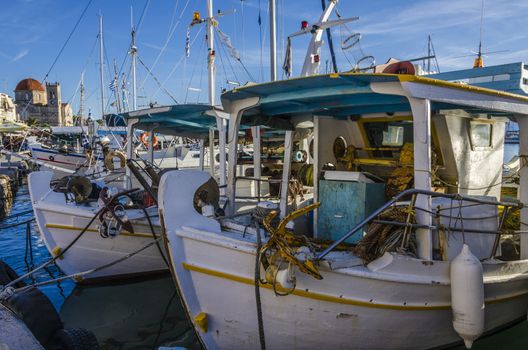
x,y
178,63
261,43
330,41
222,63
156,79
201,77
61,50
84,68
169,37
67,40
143,12
136,30
224,50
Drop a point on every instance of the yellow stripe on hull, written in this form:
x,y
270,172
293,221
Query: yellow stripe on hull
x,y
333,299
74,228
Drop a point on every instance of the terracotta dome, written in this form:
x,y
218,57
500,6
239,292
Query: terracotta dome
x,y
29,84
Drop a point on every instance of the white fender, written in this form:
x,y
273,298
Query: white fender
x,y
467,296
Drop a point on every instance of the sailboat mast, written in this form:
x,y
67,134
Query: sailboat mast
x,y
210,52
81,107
133,52
101,62
273,40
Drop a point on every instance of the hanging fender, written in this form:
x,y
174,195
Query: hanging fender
x,y
109,159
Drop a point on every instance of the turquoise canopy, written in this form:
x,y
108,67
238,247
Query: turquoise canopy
x,y
343,95
190,120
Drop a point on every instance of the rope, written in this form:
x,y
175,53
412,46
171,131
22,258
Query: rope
x,y
60,52
4,227
52,260
156,80
79,276
262,337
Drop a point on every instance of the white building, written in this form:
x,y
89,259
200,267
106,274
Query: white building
x,y
7,109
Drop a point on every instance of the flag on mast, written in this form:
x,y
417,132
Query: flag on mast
x,y
287,65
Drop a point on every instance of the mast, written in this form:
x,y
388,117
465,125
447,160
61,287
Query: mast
x,y
273,40
133,52
81,106
101,62
210,52
115,85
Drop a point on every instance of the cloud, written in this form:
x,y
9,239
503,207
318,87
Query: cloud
x,y
20,55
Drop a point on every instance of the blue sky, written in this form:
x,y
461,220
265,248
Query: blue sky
x,y
33,32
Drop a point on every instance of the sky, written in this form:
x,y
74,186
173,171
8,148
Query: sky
x,y
34,31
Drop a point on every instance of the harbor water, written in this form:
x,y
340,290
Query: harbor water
x,y
136,314
140,314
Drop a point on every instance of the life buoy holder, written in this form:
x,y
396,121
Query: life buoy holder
x,y
145,139
109,159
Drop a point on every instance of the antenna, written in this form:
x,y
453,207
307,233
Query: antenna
x,y
479,63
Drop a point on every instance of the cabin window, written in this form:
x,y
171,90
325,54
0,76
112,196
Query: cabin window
x,y
480,133
384,135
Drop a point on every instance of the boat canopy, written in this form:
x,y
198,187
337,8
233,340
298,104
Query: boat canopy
x,y
346,95
191,120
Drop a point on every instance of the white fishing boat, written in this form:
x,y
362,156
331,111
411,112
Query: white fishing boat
x,y
74,205
435,277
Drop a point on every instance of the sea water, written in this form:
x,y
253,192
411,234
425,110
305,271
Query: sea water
x,y
140,314
137,314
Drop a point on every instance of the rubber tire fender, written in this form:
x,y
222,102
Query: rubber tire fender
x,y
7,274
75,339
37,312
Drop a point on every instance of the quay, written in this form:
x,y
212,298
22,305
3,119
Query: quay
x,y
14,334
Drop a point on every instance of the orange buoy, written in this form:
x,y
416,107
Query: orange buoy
x,y
145,139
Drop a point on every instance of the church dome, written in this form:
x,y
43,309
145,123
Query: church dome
x,y
29,84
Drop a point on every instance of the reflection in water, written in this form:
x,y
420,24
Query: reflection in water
x,y
131,315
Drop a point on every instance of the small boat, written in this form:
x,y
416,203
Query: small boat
x,y
63,211
419,167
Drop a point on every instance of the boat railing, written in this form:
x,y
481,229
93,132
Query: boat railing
x,y
508,206
258,181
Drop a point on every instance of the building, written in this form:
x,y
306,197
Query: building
x,y
42,103
7,109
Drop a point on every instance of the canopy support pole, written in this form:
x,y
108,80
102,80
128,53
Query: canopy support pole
x,y
211,151
421,111
129,152
201,161
523,183
257,168
236,109
315,174
288,147
151,146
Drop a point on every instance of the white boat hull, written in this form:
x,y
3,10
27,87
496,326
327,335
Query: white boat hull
x,y
60,222
396,302
69,161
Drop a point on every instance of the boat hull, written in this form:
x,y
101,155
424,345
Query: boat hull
x,y
60,223
395,302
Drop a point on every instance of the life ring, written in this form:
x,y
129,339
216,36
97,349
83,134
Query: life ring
x,y
109,159
145,139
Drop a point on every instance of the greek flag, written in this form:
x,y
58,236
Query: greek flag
x,y
188,42
113,84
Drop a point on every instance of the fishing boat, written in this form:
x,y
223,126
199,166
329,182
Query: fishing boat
x,y
404,243
418,135
71,211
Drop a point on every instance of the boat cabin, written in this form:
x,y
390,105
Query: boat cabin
x,y
356,140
